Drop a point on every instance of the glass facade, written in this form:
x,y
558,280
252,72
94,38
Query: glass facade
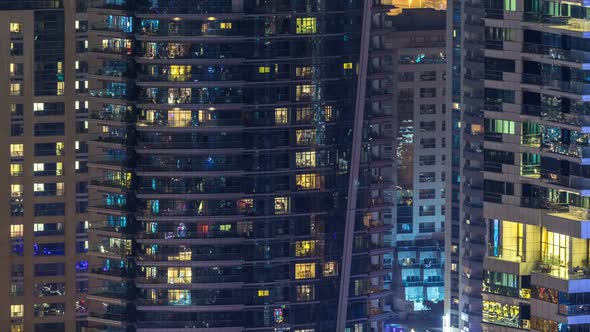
x,y
221,166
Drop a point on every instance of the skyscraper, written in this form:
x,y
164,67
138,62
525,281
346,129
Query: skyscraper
x,y
532,133
417,43
43,170
237,182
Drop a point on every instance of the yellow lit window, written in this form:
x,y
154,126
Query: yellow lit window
x,y
179,118
12,69
16,150
305,159
59,168
303,72
305,92
60,88
59,188
16,310
16,327
328,113
225,25
263,292
180,73
16,27
16,169
347,65
16,89
16,230
16,190
60,67
225,228
264,69
179,296
59,148
305,271
38,187
281,116
179,275
330,269
309,181
305,136
281,205
304,248
306,25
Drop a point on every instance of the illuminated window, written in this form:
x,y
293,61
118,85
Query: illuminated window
x,y
16,230
16,310
347,65
306,25
16,190
16,89
305,159
179,118
305,271
330,269
303,72
179,275
501,313
264,70
305,92
179,296
263,292
60,67
59,148
16,327
281,205
16,169
225,25
246,205
281,116
309,181
38,187
304,248
38,107
225,228
60,88
59,168
59,188
499,126
305,293
328,113
305,136
180,73
16,27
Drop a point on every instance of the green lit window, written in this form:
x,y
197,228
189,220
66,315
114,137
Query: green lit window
x,y
499,126
306,25
510,5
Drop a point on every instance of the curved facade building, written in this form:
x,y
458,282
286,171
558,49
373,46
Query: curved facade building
x,y
225,136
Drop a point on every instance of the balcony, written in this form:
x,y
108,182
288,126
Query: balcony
x,y
574,309
546,51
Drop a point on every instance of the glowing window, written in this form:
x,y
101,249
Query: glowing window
x,y
305,92
16,89
304,248
328,113
309,181
304,115
306,25
38,187
16,27
225,228
263,293
347,65
179,275
38,107
16,327
305,271
60,88
16,310
264,70
281,116
330,269
305,159
59,148
180,73
281,205
16,169
179,296
16,230
225,25
179,118
16,190
303,72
